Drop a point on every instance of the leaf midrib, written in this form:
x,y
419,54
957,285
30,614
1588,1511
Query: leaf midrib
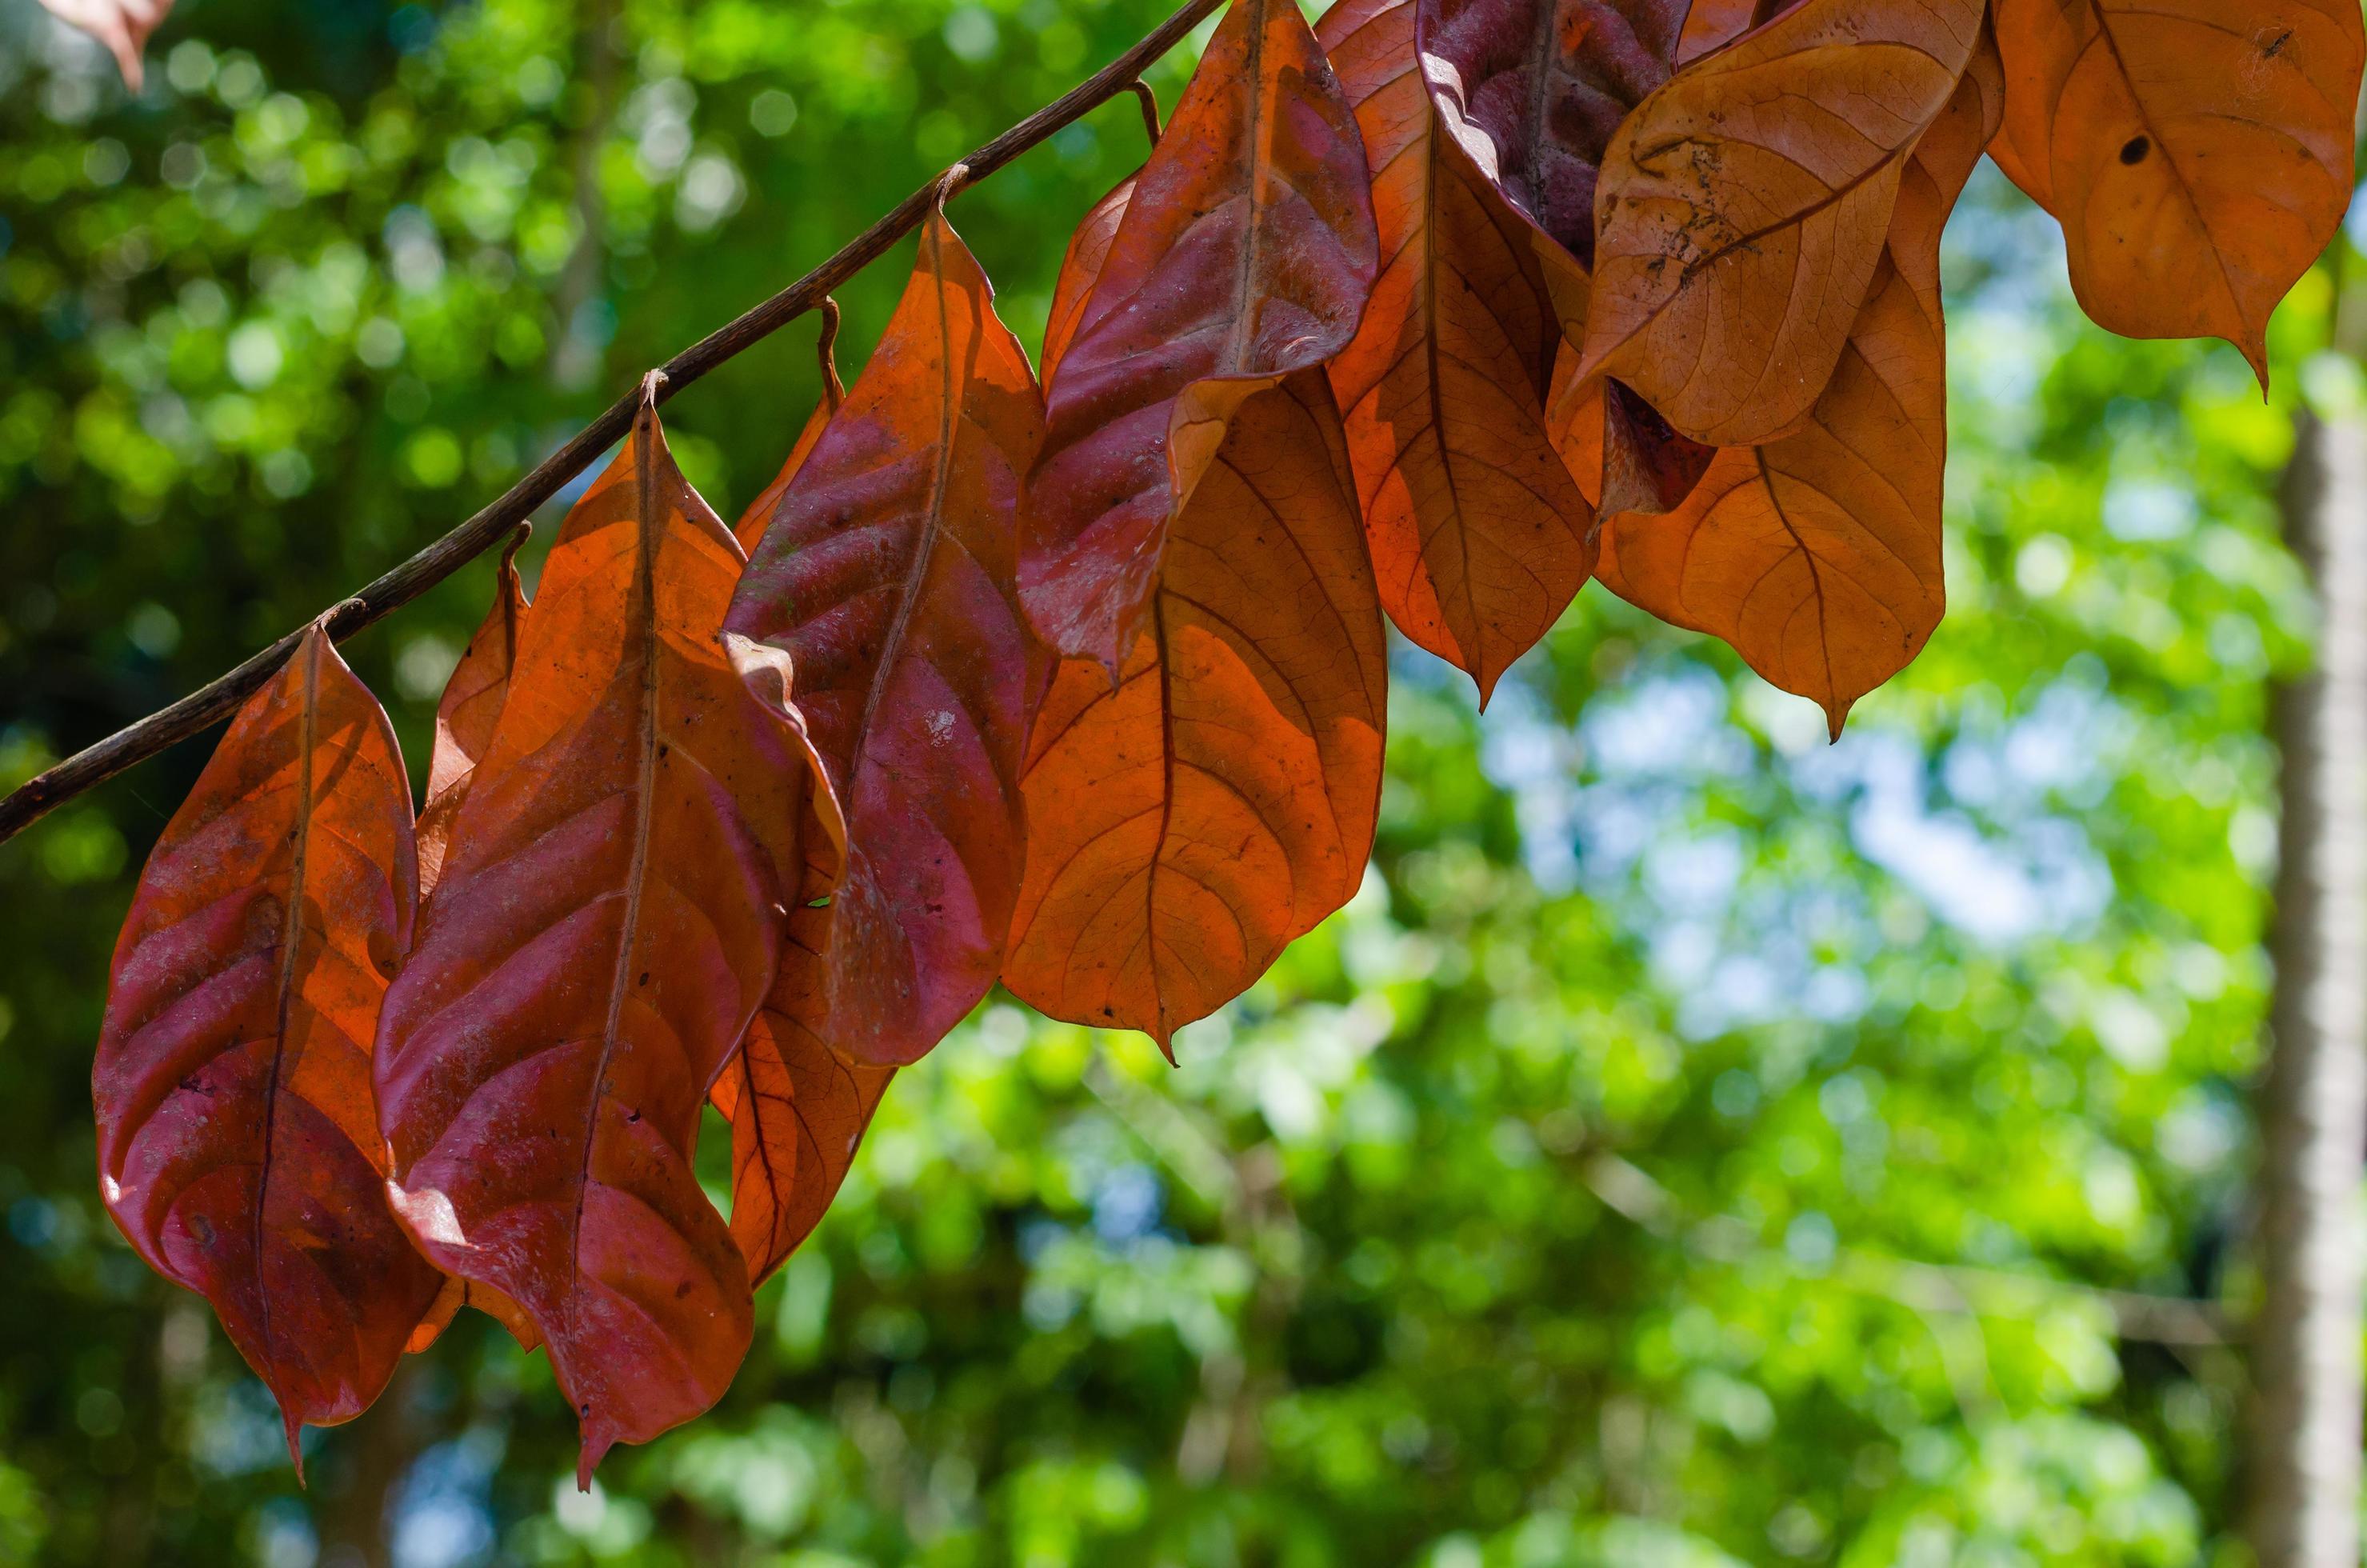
x,y
292,937
637,870
1235,360
931,516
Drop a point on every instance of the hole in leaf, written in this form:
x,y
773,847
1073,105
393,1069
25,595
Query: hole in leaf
x,y
2134,149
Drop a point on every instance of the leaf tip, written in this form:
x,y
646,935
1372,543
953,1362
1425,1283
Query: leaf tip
x,y
1591,357
587,1459
1836,715
295,1425
2254,347
1485,678
769,673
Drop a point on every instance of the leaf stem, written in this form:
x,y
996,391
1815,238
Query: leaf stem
x,y
216,700
834,390
1150,102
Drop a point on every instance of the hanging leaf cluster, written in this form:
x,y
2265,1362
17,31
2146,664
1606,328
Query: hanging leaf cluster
x,y
1077,683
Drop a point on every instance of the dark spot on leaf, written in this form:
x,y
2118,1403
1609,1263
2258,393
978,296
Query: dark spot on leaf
x,y
682,1290
2134,149
2276,45
632,1116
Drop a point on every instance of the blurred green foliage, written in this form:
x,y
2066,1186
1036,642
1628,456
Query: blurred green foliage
x,y
1696,1145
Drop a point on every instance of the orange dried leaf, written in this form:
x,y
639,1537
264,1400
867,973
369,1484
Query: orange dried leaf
x,y
1479,538
1743,210
1246,253
1529,95
466,715
1081,268
1711,25
1622,454
237,1147
1534,90
798,1111
449,1299
2198,153
750,530
798,1107
1187,823
1817,556
610,917
458,1293
879,618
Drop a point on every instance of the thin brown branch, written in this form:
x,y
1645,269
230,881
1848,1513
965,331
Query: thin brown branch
x,y
215,701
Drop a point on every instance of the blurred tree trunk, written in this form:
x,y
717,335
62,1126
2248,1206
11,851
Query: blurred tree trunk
x,y
357,1521
2304,1451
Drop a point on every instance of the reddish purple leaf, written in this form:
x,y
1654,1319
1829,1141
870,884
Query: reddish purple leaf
x,y
237,1147
610,915
878,615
